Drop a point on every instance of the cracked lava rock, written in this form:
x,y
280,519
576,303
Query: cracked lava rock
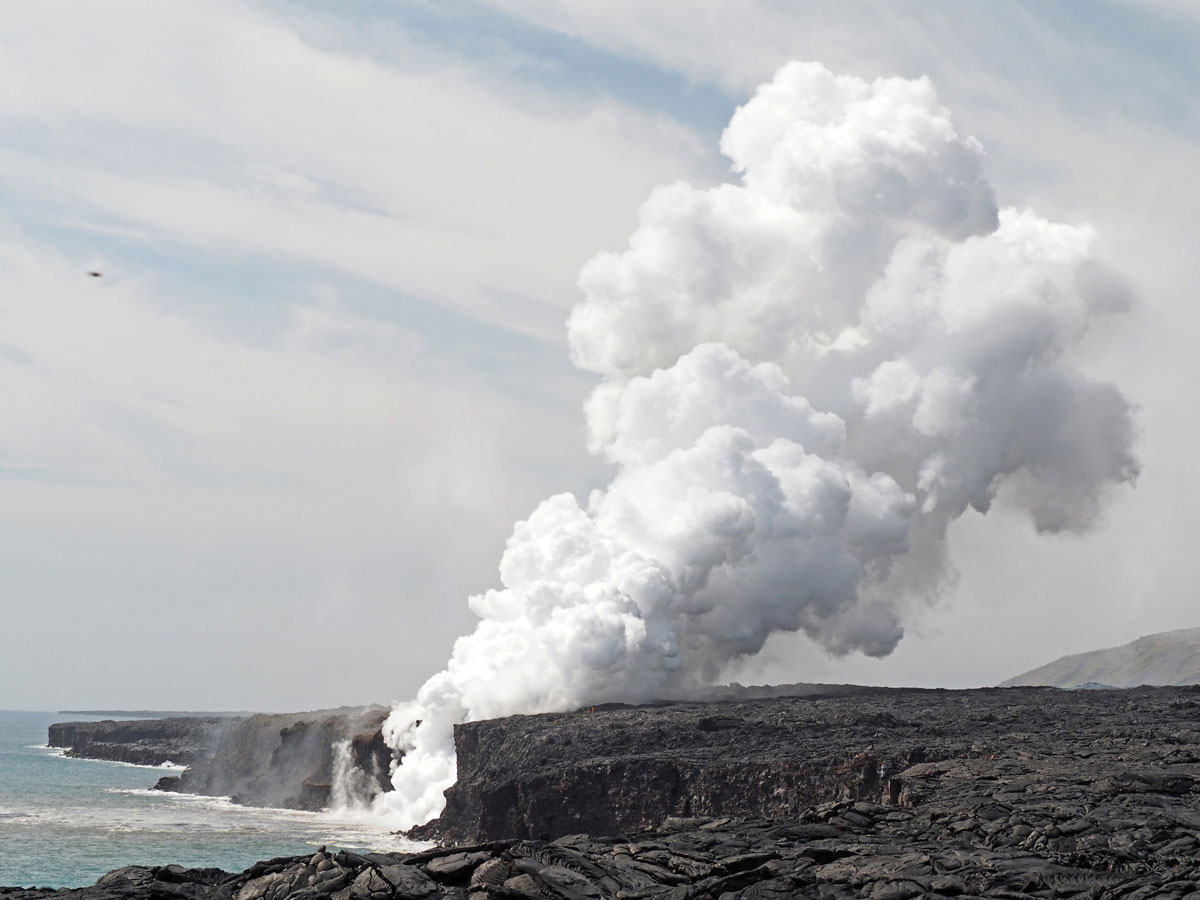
x,y
870,793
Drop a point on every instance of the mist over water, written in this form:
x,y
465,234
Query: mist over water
x,y
65,822
805,375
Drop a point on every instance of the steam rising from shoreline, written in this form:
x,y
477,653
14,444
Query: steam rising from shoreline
x,y
806,376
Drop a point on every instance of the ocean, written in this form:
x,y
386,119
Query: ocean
x,y
65,822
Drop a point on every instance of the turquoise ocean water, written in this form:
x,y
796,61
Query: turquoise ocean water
x,y
65,822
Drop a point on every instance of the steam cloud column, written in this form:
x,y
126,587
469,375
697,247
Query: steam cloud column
x,y
806,376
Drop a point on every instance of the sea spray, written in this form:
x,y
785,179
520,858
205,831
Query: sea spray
x,y
352,788
65,821
806,375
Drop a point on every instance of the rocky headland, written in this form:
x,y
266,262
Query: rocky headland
x,y
1042,752
290,760
859,793
181,740
286,760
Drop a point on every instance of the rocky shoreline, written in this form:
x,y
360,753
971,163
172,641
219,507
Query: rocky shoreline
x,y
144,742
868,793
288,760
618,769
284,760
853,849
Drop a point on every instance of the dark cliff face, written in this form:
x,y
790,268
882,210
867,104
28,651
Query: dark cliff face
x,y
1020,827
618,770
145,742
280,760
610,770
288,760
1021,793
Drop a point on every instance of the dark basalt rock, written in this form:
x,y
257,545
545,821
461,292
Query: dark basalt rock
x,y
614,769
143,742
999,793
280,760
836,850
287,760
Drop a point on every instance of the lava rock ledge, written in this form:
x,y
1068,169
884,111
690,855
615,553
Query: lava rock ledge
x,y
1004,794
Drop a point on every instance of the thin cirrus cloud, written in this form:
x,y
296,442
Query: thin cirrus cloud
x,y
220,127
311,376
154,470
326,367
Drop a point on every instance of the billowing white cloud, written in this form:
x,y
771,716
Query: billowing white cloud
x,y
835,170
652,415
807,376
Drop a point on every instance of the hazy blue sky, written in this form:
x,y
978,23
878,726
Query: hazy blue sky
x,y
263,460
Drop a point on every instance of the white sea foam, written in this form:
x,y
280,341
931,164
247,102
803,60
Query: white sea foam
x,y
63,824
61,753
350,827
175,797
167,766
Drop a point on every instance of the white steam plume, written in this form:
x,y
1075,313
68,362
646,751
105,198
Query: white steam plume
x,y
806,376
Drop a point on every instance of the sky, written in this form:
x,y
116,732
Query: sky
x,y
262,461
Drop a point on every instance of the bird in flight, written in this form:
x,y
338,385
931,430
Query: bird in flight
x,y
95,274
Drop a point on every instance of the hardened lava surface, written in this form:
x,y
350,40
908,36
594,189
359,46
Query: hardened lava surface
x,y
868,793
617,769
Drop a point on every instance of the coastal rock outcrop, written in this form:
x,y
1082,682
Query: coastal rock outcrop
x,y
616,769
145,742
287,760
988,848
870,793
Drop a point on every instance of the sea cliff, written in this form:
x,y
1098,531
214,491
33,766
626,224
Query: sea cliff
x,y
143,742
869,793
283,760
618,769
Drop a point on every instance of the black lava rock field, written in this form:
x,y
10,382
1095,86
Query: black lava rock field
x,y
854,792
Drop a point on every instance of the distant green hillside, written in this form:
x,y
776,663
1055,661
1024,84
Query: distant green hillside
x,y
1172,657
